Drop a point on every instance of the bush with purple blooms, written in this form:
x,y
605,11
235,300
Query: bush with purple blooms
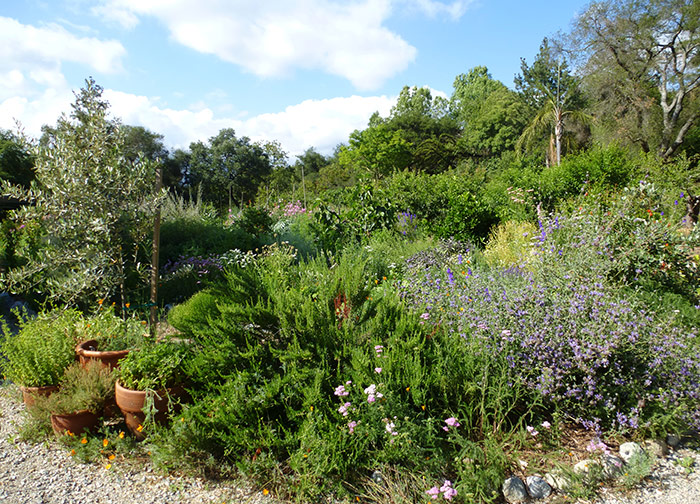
x,y
571,326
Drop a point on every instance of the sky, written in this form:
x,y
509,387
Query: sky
x,y
304,73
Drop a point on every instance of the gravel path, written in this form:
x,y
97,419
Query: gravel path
x,y
45,474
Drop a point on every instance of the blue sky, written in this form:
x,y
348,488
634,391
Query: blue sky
x,y
305,73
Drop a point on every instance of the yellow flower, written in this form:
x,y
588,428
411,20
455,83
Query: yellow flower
x,y
423,407
69,433
83,441
100,301
265,491
408,388
121,435
108,466
312,408
139,428
105,442
127,304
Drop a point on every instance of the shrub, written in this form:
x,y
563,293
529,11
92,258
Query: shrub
x,y
510,244
42,349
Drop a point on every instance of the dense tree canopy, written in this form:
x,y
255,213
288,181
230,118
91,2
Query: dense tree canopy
x,y
16,164
642,66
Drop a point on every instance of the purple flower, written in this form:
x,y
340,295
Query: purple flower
x,y
447,491
425,316
340,391
533,432
344,409
351,426
433,492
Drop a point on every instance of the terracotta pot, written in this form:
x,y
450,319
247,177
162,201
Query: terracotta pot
x,y
29,394
76,423
132,402
87,351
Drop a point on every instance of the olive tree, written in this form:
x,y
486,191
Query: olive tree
x,y
89,206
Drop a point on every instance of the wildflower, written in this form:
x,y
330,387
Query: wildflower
x,y
451,422
108,466
447,491
433,492
121,435
111,457
69,433
105,442
344,409
265,491
72,452
533,432
377,370
425,316
127,305
139,428
378,348
83,441
351,426
546,424
100,301
340,391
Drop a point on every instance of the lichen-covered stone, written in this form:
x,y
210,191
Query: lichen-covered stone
x,y
514,490
538,487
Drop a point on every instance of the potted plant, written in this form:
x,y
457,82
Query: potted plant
x,y
36,357
147,381
84,392
108,338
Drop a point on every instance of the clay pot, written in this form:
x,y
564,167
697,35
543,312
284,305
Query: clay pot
x,y
132,402
29,394
87,350
76,423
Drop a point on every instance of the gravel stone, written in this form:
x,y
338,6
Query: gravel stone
x,y
514,490
629,450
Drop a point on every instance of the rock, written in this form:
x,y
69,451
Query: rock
x,y
584,467
377,477
656,447
514,490
612,465
557,480
673,440
629,450
538,487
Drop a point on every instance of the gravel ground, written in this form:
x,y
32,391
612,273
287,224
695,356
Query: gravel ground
x,y
46,474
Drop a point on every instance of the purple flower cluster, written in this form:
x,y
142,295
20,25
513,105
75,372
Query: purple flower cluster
x,y
569,338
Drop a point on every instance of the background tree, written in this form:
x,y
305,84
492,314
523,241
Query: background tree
x,y
554,97
16,165
90,208
643,66
491,116
228,169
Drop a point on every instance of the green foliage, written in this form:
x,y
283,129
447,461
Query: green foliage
x,y
111,331
228,169
274,344
510,244
42,349
91,205
255,221
81,388
154,366
16,164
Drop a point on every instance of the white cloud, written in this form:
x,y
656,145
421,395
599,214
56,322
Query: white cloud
x,y
321,124
272,38
25,46
432,8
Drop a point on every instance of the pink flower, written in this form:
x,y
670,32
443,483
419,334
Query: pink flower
x,y
351,426
433,492
452,422
546,425
531,430
340,391
377,370
344,409
425,316
447,491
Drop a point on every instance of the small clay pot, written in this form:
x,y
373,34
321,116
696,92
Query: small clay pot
x,y
75,423
29,394
87,351
132,402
